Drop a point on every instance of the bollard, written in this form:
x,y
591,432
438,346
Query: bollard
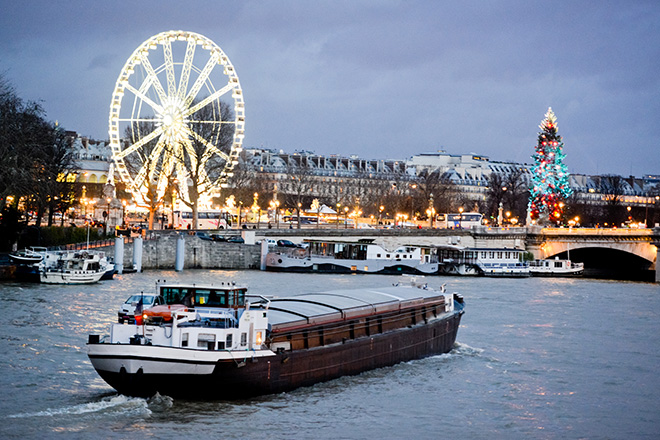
x,y
264,253
137,254
180,253
119,255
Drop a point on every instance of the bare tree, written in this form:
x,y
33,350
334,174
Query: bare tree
x,y
510,189
613,187
147,166
436,188
299,184
204,152
56,163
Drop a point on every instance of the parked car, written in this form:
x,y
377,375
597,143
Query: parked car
x,y
127,310
236,239
286,243
218,237
203,235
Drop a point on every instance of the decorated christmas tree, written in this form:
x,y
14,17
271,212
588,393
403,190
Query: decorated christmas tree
x,y
549,175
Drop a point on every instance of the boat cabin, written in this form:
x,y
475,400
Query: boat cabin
x,y
231,297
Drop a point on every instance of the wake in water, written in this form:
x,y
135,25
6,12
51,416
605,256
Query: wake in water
x,y
465,350
107,405
460,350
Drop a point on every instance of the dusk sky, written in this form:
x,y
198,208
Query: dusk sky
x,y
378,79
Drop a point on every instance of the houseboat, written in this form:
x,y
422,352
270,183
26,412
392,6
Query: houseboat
x,y
556,268
218,342
491,262
362,256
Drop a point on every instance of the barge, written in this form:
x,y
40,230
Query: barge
x,y
362,256
218,342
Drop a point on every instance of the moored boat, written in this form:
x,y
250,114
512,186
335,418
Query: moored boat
x,y
73,267
218,345
28,256
556,268
490,262
363,256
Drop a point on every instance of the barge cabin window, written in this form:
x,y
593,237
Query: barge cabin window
x,y
192,296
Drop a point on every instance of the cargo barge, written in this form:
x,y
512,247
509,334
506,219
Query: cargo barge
x,y
218,342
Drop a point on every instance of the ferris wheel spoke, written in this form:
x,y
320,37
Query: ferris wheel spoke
x,y
209,146
193,155
144,98
148,166
201,79
169,66
139,144
135,119
165,174
187,66
209,99
153,76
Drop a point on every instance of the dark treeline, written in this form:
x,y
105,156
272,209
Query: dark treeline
x,y
37,167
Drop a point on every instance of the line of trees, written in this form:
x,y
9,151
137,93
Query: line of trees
x,y
36,164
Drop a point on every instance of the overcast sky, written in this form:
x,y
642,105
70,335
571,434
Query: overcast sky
x,y
379,79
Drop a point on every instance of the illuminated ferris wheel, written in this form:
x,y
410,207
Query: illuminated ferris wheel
x,y
177,117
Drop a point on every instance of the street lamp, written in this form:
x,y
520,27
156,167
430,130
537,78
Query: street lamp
x,y
346,217
431,211
460,218
106,217
277,212
337,215
299,206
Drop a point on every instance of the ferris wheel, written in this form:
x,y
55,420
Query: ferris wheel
x,y
177,117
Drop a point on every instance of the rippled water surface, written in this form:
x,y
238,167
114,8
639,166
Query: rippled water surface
x,y
535,358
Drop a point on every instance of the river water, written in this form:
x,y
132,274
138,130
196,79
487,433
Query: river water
x,y
535,358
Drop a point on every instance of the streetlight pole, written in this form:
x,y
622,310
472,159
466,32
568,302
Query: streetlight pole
x,y
460,218
277,213
431,211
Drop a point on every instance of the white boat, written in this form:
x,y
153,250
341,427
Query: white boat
x,y
490,262
73,267
362,256
29,256
556,268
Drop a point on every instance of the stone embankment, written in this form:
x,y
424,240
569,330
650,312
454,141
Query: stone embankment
x,y
159,252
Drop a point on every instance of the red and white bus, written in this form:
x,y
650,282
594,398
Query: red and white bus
x,y
206,219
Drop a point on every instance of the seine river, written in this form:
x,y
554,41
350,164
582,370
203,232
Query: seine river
x,y
535,358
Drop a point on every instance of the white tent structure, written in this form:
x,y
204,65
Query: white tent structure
x,y
323,209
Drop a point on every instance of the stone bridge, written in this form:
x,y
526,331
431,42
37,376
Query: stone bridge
x,y
548,242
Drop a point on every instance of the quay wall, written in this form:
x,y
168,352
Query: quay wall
x,y
159,252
